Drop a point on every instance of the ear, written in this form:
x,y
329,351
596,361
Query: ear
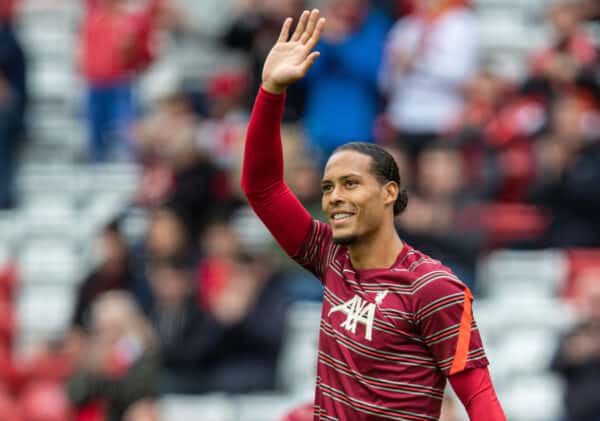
x,y
391,190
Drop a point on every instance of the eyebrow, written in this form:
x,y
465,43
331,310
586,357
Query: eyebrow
x,y
342,178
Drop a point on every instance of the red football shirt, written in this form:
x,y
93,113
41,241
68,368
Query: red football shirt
x,y
389,337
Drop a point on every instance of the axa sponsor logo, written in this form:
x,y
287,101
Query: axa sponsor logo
x,y
359,311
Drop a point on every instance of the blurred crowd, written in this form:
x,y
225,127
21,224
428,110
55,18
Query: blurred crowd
x,y
198,304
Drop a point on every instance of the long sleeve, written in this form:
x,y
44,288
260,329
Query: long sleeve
x,y
475,390
262,175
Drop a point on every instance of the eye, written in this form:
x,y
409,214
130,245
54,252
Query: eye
x,y
350,184
326,188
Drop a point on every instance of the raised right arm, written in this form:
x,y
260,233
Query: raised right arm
x,y
262,173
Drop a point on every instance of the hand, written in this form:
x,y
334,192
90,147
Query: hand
x,y
235,302
289,60
561,68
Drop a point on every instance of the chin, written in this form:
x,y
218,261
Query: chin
x,y
344,240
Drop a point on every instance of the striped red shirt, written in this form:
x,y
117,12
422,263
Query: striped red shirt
x,y
389,337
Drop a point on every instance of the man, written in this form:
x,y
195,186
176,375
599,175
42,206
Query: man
x,y
395,323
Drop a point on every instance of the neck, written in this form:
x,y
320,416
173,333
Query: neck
x,y
379,250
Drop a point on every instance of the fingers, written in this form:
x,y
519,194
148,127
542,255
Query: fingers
x,y
285,30
312,23
301,25
316,34
309,62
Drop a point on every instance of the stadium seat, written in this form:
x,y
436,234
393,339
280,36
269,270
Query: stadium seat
x,y
49,214
508,274
49,261
44,310
193,408
532,399
264,407
297,365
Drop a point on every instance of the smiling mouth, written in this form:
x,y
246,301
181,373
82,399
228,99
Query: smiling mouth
x,y
341,217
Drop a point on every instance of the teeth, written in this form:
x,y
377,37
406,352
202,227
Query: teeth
x,y
341,215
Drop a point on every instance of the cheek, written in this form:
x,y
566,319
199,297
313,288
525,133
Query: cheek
x,y
371,212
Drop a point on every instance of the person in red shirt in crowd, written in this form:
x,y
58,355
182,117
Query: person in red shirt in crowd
x,y
572,54
396,324
116,46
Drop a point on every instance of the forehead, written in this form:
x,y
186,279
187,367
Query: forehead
x,y
345,163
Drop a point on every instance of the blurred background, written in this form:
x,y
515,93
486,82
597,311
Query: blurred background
x,y
137,285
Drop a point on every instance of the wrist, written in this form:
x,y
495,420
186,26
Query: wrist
x,y
273,88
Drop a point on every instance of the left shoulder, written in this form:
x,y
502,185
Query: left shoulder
x,y
419,263
431,277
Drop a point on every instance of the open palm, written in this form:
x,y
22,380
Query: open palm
x,y
291,57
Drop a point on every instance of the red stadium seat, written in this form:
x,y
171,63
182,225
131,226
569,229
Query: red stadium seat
x,y
45,401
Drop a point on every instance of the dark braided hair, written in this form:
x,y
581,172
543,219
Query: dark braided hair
x,y
383,166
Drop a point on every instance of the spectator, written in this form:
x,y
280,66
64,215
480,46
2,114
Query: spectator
x,y
570,57
485,93
179,172
305,183
250,310
437,216
430,55
13,101
166,237
578,357
222,332
507,170
342,98
568,174
114,272
170,126
183,333
221,134
254,30
120,367
116,46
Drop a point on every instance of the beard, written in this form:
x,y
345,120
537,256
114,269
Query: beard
x,y
345,241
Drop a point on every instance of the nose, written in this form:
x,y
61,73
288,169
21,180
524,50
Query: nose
x,y
335,198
